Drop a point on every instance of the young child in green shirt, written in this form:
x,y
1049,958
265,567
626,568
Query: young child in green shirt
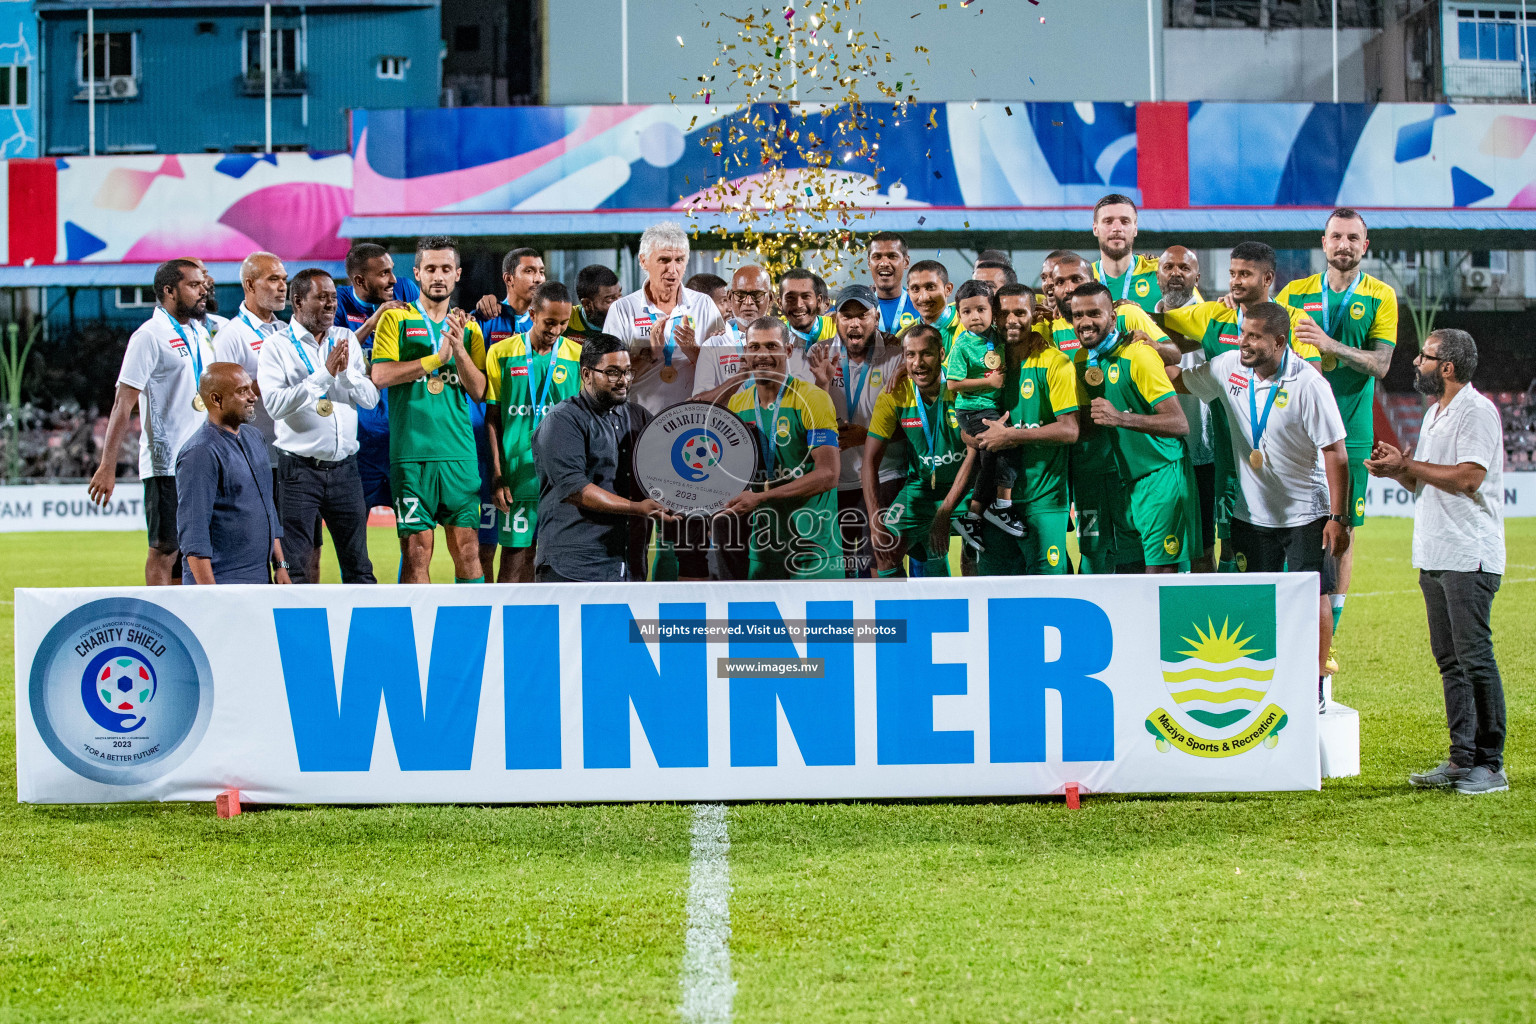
x,y
976,370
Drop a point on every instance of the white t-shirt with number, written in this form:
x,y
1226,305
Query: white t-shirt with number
x,y
629,320
159,364
1291,487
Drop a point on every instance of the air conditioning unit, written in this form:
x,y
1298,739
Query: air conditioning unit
x,y
1477,279
123,87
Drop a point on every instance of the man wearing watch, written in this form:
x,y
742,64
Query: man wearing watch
x,y
1288,445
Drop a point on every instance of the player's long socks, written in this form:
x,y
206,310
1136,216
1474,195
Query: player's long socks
x,y
477,579
1337,601
887,573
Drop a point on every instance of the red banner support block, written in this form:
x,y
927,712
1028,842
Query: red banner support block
x,y
228,803
1073,802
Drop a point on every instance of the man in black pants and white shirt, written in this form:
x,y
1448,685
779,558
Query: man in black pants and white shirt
x,y
313,379
1288,443
1458,548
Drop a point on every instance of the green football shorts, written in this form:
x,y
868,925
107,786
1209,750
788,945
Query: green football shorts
x,y
432,494
1165,507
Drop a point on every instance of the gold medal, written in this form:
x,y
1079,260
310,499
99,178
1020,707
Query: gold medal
x,y
991,360
1094,376
1330,362
1256,459
668,374
435,384
199,404
324,407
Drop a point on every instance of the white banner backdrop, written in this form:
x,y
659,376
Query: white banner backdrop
x,y
1386,498
69,507
495,693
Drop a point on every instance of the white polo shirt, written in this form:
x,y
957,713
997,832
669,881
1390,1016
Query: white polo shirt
x,y
292,389
725,354
161,366
629,319
1291,487
239,341
1459,532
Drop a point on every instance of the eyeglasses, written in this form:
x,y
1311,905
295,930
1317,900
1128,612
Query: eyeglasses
x,y
757,297
616,376
1427,358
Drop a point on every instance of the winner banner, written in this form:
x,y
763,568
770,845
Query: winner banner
x,y
684,691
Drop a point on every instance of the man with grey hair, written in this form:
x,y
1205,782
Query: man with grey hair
x,y
264,280
663,322
1458,548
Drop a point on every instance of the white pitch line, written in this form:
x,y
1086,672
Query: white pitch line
x,y
708,990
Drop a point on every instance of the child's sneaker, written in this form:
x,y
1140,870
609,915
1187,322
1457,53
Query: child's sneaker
x,y
968,527
1005,519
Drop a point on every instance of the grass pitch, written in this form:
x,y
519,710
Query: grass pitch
x,y
1366,902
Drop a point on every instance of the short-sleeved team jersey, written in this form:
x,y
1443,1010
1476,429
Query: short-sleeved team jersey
x,y
1135,381
805,420
579,326
824,329
1138,284
1128,318
1047,390
949,326
1369,320
966,361
1217,326
424,427
897,415
514,381
506,323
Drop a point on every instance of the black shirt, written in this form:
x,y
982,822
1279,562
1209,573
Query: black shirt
x,y
578,444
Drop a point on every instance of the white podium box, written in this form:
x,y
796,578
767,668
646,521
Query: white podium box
x,y
1338,741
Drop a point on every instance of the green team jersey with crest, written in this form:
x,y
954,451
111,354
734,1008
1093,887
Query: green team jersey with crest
x,y
949,326
1061,335
967,361
426,427
1135,381
1369,319
1047,389
824,329
515,379
1138,284
934,456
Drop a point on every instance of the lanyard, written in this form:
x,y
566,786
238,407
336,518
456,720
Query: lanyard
x,y
1104,349
257,325
757,417
1343,302
1255,421
851,397
1130,272
433,328
549,375
930,430
669,343
811,338
903,307
194,347
298,347
947,320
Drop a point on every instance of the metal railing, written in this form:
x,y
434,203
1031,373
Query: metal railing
x,y
1484,82
283,82
1272,14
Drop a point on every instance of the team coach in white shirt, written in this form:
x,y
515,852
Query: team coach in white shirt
x,y
313,380
1458,548
1288,444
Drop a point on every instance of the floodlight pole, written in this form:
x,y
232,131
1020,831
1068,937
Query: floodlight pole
x,y
90,80
1335,34
1525,50
624,52
1151,53
266,66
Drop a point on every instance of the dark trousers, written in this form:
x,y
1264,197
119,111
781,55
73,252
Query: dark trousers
x,y
1460,635
333,491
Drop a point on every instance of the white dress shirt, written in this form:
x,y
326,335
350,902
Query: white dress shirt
x,y
1461,532
629,319
883,363
291,391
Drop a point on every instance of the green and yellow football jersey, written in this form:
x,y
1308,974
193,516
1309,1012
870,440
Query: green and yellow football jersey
x,y
1138,284
522,385
967,361
1135,381
427,425
1047,389
1369,319
1128,318
934,455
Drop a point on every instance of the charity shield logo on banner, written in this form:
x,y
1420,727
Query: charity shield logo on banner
x,y
1218,659
121,691
695,457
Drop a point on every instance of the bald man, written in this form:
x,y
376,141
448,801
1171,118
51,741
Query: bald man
x,y
226,522
1178,277
264,280
750,296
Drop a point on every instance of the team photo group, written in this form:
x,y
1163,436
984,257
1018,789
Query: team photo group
x,y
1113,419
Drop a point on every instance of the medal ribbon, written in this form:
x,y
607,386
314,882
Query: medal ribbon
x,y
807,339
757,417
1130,272
256,325
930,432
851,397
549,375
299,348
434,329
669,344
904,306
1343,302
1104,348
194,347
1255,421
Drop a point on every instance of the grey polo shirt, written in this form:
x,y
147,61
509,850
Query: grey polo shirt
x,y
578,444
